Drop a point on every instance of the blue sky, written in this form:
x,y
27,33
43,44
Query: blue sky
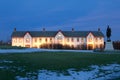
x,y
59,14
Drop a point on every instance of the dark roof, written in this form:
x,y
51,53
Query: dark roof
x,y
53,33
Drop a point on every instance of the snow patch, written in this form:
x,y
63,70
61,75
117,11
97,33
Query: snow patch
x,y
108,72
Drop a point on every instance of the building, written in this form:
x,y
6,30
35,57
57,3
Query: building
x,y
92,39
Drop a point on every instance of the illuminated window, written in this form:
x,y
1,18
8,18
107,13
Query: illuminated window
x,y
35,39
20,40
96,39
101,39
40,39
77,39
14,40
50,39
82,39
46,39
90,39
72,39
27,40
67,39
59,37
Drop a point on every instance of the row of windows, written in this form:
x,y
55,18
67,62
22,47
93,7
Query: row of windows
x,y
50,39
40,39
15,40
72,39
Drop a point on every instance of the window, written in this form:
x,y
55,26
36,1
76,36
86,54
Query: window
x,y
77,39
20,40
59,37
72,39
101,39
40,39
35,39
82,39
27,40
67,39
46,39
96,39
14,40
90,39
50,39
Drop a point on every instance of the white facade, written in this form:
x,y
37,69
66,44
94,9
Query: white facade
x,y
90,41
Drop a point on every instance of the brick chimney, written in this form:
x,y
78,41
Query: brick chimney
x,y
59,30
72,29
99,29
43,29
14,29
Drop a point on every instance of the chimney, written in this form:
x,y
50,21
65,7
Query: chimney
x,y
59,30
72,29
99,29
43,29
14,29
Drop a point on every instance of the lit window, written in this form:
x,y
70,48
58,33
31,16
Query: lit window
x,y
27,40
20,40
82,39
96,39
14,40
77,39
101,39
50,39
90,39
35,39
46,39
59,37
67,39
72,39
40,40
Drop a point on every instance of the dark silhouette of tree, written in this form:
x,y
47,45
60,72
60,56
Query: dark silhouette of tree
x,y
108,33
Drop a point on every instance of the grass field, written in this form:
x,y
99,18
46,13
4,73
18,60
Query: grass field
x,y
12,65
10,47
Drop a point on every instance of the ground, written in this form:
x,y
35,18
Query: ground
x,y
14,65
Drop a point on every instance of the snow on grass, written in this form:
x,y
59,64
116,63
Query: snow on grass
x,y
108,72
5,61
28,50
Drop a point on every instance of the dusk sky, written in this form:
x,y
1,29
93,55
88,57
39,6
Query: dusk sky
x,y
81,15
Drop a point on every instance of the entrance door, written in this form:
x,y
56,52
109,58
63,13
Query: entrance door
x,y
28,46
90,46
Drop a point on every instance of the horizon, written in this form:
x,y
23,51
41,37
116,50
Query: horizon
x,y
55,15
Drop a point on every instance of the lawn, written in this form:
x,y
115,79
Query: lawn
x,y
10,47
20,64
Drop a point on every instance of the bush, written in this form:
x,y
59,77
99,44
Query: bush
x,y
60,46
116,45
98,50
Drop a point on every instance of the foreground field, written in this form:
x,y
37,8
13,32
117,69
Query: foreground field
x,y
12,65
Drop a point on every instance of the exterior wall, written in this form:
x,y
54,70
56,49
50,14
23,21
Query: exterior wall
x,y
94,42
38,41
27,40
90,41
59,39
75,41
17,41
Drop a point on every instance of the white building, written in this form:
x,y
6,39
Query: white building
x,y
92,39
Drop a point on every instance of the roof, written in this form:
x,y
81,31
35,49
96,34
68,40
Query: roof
x,y
53,33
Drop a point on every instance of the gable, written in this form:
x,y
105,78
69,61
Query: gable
x,y
27,35
54,33
59,35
